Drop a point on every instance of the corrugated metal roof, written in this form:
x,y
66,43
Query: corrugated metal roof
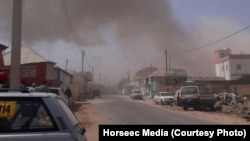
x,y
27,56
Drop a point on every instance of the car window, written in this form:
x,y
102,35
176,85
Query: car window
x,y
137,91
166,94
189,90
25,115
205,90
68,112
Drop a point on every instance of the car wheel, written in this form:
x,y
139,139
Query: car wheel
x,y
156,102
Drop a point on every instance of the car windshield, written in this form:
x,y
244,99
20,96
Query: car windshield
x,y
137,91
166,94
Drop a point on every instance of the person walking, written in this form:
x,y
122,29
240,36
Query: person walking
x,y
69,95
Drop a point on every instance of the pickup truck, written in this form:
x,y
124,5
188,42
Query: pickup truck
x,y
37,117
196,96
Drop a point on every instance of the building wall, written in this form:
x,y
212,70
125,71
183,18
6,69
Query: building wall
x,y
237,73
241,89
37,72
218,70
33,73
228,69
65,79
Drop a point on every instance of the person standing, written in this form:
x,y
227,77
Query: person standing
x,y
33,88
22,87
69,95
43,87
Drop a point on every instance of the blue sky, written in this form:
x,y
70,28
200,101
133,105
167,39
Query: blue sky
x,y
189,12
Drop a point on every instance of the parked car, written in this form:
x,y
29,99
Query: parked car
x,y
196,96
136,94
164,98
38,117
229,98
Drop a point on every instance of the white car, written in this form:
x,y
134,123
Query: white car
x,y
38,117
230,98
164,98
136,94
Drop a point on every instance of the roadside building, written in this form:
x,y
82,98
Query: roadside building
x,y
161,80
231,66
36,68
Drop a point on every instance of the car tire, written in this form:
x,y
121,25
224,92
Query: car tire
x,y
156,102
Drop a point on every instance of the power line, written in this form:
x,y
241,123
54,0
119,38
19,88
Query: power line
x,y
66,14
209,44
70,24
219,40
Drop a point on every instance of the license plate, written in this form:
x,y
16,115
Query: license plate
x,y
7,109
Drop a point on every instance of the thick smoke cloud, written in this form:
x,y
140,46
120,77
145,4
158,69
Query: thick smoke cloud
x,y
143,28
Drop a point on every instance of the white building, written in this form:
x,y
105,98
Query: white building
x,y
231,66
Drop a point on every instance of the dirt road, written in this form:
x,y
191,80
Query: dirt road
x,y
90,119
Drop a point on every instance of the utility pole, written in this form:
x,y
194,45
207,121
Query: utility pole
x,y
82,81
129,79
151,80
16,44
169,68
99,78
166,75
66,67
166,57
93,74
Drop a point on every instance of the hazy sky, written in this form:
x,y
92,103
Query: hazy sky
x,y
128,35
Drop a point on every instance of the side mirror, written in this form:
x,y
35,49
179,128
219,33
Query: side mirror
x,y
83,131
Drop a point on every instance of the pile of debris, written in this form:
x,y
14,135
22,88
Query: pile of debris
x,y
234,107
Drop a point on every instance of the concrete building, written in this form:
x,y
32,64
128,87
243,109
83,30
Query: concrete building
x,y
35,68
161,80
231,66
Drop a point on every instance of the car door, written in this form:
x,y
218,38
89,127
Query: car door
x,y
78,131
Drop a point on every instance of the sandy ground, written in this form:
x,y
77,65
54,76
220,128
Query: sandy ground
x,y
89,121
85,113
